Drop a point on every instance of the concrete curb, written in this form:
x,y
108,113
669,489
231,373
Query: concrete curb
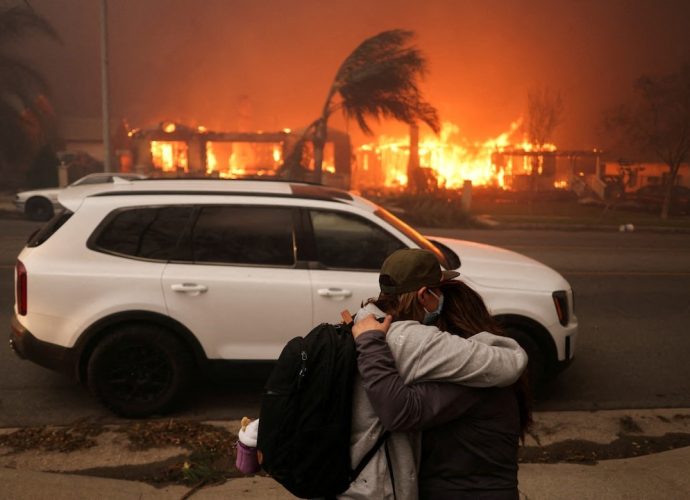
x,y
488,222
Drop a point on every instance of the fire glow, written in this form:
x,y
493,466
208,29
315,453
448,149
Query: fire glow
x,y
446,160
234,160
169,156
452,159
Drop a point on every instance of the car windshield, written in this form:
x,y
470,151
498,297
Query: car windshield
x,y
97,179
411,233
103,179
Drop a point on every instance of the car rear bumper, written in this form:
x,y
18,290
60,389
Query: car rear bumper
x,y
52,356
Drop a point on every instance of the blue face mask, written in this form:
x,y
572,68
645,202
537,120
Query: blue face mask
x,y
430,317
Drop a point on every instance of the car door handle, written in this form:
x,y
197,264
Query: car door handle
x,y
334,292
189,288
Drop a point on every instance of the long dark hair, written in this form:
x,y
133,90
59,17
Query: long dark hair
x,y
464,313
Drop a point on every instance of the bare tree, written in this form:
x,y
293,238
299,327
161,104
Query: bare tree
x,y
657,120
544,114
379,79
25,111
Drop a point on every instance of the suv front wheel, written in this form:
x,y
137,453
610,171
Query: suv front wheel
x,y
536,365
138,370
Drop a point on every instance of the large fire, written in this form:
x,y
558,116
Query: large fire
x,y
234,160
169,156
447,160
451,158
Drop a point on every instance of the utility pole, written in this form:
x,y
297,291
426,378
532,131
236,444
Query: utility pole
x,y
105,96
413,185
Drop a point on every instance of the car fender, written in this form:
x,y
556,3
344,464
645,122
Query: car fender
x,y
91,336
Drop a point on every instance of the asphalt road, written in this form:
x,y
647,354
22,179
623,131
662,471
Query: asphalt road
x,y
632,301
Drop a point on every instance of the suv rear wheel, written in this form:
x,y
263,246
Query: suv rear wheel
x,y
138,370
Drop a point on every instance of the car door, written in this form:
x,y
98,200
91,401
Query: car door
x,y
347,253
235,284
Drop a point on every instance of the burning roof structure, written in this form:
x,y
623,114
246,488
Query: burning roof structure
x,y
175,150
449,160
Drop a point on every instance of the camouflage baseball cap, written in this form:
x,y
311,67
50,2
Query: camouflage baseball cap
x,y
410,269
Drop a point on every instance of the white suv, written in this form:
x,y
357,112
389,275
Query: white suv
x,y
135,285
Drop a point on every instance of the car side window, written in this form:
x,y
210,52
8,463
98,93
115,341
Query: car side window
x,y
348,241
244,235
150,233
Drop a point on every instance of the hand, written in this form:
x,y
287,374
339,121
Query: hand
x,y
369,322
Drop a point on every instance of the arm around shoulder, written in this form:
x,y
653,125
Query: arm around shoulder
x,y
403,407
484,360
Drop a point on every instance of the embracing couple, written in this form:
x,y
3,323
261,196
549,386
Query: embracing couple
x,y
453,395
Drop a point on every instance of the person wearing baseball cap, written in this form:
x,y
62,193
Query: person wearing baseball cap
x,y
416,270
409,304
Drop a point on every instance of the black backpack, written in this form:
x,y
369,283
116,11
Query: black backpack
x,y
306,411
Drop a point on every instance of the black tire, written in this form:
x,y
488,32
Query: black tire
x,y
139,370
536,366
39,209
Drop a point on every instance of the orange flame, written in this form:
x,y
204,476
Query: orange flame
x,y
452,158
169,156
211,160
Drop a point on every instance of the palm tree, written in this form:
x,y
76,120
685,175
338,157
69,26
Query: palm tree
x,y
25,111
379,79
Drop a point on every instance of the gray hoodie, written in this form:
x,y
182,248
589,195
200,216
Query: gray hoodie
x,y
422,353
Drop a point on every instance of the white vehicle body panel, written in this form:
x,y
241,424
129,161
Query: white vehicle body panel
x,y
243,312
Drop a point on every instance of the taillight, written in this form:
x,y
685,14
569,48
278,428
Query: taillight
x,y
21,288
560,300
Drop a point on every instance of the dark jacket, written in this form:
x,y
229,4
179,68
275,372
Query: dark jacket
x,y
471,436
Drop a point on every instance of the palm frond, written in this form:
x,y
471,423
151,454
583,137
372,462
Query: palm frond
x,y
18,21
13,139
25,112
380,79
20,80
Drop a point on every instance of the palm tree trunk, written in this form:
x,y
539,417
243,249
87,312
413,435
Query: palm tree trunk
x,y
668,197
319,141
321,134
666,206
413,184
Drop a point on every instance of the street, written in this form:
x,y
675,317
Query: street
x,y
632,301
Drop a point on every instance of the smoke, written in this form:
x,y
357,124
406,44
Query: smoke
x,y
206,63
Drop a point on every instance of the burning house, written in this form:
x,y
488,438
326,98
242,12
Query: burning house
x,y
174,150
449,161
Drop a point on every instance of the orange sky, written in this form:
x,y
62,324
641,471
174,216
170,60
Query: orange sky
x,y
194,60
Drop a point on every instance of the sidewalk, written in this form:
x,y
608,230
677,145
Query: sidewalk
x,y
53,475
659,476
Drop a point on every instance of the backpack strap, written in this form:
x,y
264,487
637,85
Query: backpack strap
x,y
390,470
366,458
